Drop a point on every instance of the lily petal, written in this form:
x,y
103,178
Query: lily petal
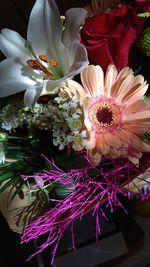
x,y
31,96
77,61
12,44
12,80
74,18
78,58
44,28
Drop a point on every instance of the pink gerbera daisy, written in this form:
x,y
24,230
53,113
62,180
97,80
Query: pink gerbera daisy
x,y
116,114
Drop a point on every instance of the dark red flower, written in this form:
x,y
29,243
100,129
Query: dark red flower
x,y
142,6
109,37
44,99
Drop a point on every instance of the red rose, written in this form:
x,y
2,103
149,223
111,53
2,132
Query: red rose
x,y
142,5
108,38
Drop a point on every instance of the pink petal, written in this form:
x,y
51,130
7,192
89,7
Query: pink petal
x,y
138,105
135,94
120,78
144,114
102,146
124,87
110,79
112,139
94,156
75,88
92,80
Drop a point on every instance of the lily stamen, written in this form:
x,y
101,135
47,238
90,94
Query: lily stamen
x,y
44,58
53,62
34,64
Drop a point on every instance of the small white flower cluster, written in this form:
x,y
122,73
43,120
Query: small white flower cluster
x,y
74,133
42,116
11,117
62,115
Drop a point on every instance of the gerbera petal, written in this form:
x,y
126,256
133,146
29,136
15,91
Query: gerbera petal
x,y
112,139
119,80
94,157
138,105
124,136
146,147
12,77
136,94
115,152
101,145
144,114
124,73
138,129
44,28
74,18
92,80
76,89
124,87
12,44
137,143
110,78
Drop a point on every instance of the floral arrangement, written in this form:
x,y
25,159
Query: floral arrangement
x,y
75,113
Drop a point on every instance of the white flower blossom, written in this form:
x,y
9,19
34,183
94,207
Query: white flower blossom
x,y
79,140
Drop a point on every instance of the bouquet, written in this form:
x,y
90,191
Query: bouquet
x,y
75,115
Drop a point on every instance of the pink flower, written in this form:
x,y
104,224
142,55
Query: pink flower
x,y
116,115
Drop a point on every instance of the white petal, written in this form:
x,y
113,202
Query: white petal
x,y
77,58
31,96
74,18
12,44
44,29
13,77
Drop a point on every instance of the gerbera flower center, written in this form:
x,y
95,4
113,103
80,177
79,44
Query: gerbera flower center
x,y
104,114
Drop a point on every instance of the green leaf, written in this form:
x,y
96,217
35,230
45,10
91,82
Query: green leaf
x,y
63,191
18,191
144,15
44,194
6,175
8,184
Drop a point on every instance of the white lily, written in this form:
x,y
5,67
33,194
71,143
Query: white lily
x,y
61,54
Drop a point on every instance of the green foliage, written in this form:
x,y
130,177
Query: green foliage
x,y
63,191
144,15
